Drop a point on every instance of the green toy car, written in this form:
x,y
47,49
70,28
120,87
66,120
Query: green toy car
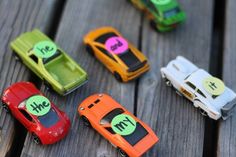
x,y
57,70
165,15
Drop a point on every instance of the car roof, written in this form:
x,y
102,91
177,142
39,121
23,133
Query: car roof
x,y
197,78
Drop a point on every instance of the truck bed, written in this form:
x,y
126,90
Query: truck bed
x,y
65,72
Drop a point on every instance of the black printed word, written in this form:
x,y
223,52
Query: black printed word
x,y
39,107
117,45
123,124
45,50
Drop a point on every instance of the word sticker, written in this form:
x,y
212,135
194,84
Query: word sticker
x,y
161,2
123,124
213,85
45,49
116,45
38,105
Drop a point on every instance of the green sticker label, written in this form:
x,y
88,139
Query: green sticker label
x,y
123,124
38,105
213,85
45,49
161,2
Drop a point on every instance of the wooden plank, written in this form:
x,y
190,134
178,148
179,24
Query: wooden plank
x,y
78,19
179,125
17,17
227,129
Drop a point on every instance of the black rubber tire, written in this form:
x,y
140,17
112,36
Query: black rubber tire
x,y
17,57
122,153
36,139
48,85
153,25
204,113
5,107
89,50
118,77
168,82
86,121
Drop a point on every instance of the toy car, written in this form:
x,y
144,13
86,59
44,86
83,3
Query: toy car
x,y
128,134
38,115
205,91
119,56
50,63
165,15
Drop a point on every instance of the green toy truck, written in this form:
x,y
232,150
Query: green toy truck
x,y
165,15
50,63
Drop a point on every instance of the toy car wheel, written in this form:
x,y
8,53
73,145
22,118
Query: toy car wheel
x,y
118,77
122,153
48,85
86,121
204,113
153,24
168,82
5,107
90,50
17,57
36,139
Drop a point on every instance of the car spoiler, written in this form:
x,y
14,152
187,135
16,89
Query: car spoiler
x,y
137,66
227,110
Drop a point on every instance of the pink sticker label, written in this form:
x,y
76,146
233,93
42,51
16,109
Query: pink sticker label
x,y
116,45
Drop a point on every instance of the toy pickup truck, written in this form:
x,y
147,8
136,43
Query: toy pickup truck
x,y
165,15
207,93
40,54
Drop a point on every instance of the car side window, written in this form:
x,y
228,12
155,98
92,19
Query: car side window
x,y
34,58
191,85
26,115
200,92
104,51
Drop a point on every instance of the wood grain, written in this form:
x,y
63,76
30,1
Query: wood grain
x,y
227,129
78,19
16,18
179,125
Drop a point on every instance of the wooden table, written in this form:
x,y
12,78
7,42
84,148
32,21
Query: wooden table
x,y
207,38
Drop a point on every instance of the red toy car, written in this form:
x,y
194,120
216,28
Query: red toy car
x,y
40,116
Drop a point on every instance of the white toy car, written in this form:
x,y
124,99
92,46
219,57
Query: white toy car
x,y
205,91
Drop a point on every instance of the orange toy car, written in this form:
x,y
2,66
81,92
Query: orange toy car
x,y
124,60
131,136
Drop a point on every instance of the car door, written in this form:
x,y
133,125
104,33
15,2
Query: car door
x,y
26,119
33,64
106,57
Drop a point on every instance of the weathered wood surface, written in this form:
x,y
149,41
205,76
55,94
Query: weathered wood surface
x,y
17,17
78,19
227,129
179,125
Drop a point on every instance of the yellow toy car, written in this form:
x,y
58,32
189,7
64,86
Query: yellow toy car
x,y
124,60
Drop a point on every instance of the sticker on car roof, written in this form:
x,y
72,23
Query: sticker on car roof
x,y
45,49
38,105
116,45
123,124
213,85
161,2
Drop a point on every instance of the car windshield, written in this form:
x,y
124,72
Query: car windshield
x,y
49,119
139,133
47,60
103,38
171,12
108,118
